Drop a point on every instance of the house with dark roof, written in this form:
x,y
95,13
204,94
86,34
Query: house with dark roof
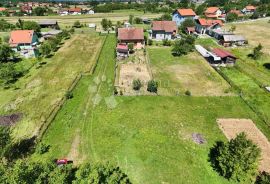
x,y
203,25
131,35
24,41
161,30
180,15
213,12
230,40
48,24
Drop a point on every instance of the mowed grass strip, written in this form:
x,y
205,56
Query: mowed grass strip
x,y
42,89
190,72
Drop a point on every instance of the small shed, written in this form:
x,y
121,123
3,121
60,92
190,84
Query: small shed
x,y
226,57
122,51
230,40
190,30
48,24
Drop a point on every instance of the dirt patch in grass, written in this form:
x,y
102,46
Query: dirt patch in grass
x,y
9,120
74,150
198,138
232,127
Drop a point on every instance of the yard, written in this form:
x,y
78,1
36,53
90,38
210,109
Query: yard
x,y
44,87
176,75
149,137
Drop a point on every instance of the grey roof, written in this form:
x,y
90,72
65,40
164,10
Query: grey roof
x,y
229,38
47,22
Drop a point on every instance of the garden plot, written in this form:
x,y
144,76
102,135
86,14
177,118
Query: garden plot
x,y
232,127
133,68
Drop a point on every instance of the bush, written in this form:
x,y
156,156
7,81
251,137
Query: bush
x,y
137,84
237,159
166,42
188,93
183,46
152,86
263,178
77,24
42,148
138,20
69,95
150,42
231,17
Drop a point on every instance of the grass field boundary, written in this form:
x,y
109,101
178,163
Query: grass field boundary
x,y
98,56
241,95
46,124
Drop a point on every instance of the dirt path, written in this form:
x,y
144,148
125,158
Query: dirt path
x,y
232,127
74,150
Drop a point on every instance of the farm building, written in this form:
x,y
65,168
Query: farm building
x,y
75,11
203,25
131,35
48,24
249,9
218,33
162,30
26,9
122,51
51,33
180,15
24,41
213,12
226,57
230,40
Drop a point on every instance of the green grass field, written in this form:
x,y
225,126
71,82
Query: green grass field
x,y
190,72
43,88
149,137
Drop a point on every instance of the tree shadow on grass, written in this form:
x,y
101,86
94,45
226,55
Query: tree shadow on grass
x,y
213,154
267,66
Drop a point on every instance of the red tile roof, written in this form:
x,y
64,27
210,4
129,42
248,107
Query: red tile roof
x,y
250,7
191,29
130,34
122,47
75,10
211,10
2,9
223,53
238,12
186,12
21,36
205,22
167,26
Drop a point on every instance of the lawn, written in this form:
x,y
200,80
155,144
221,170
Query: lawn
x,y
149,137
190,72
45,85
255,31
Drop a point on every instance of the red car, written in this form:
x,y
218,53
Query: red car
x,y
61,161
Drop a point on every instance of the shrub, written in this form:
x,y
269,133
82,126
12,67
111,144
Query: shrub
x,y
231,17
152,86
150,42
166,42
42,148
188,93
137,84
183,46
263,178
69,95
237,159
77,24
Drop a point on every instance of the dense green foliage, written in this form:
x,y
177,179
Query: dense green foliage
x,y
263,178
106,24
231,17
236,160
136,84
5,26
183,46
152,86
185,24
5,52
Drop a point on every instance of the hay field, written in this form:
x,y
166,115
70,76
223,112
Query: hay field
x,y
44,87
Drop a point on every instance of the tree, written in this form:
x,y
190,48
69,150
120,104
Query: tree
x,y
200,9
166,16
77,24
5,52
257,52
231,17
45,49
130,20
187,23
100,173
8,73
137,20
130,47
137,84
183,46
152,86
104,24
39,11
237,159
31,25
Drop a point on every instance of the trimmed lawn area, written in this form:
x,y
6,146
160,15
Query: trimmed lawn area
x,y
44,87
149,137
190,72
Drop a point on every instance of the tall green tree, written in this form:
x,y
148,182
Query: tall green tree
x,y
237,159
5,52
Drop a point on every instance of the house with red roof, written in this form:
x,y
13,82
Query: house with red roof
x,y
203,25
180,15
131,35
122,50
213,12
249,9
2,9
237,12
75,11
226,58
24,41
161,30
